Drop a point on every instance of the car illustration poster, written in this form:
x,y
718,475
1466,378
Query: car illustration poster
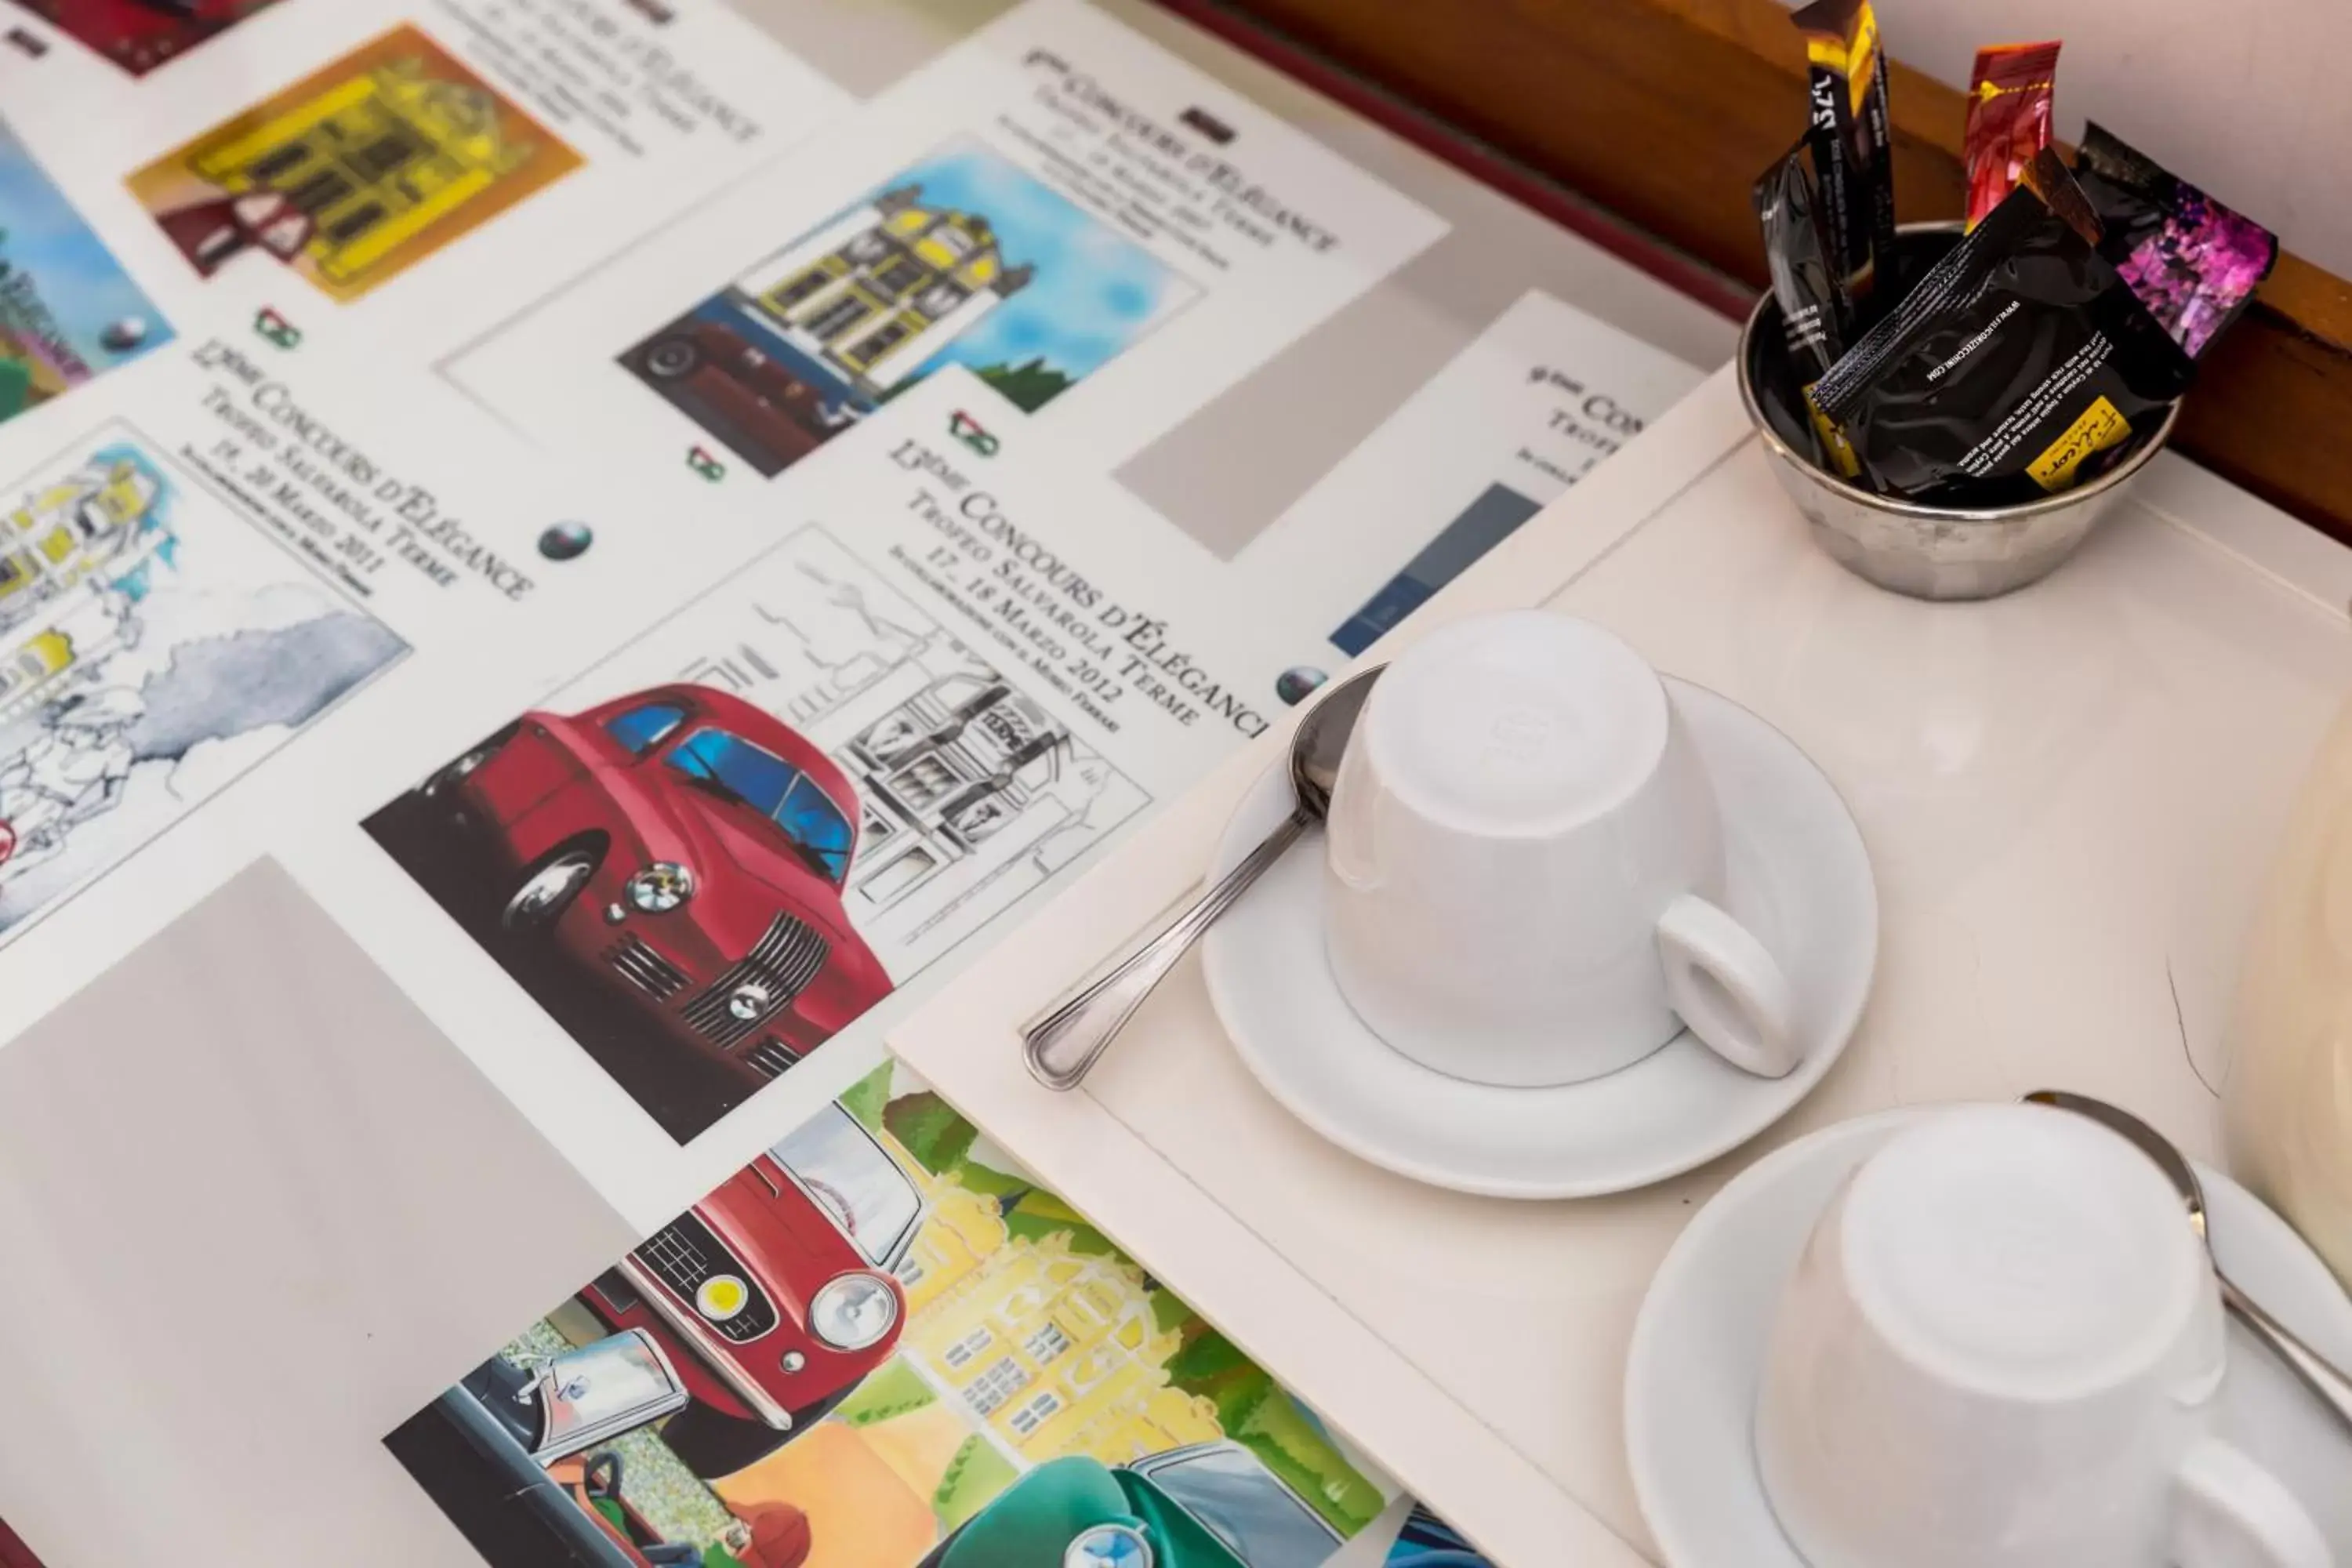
x,y
154,645
68,312
1106,236
239,585
879,1345
425,170
860,752
139,35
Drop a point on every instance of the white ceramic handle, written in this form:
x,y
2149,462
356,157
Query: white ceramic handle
x,y
1726,988
2229,1513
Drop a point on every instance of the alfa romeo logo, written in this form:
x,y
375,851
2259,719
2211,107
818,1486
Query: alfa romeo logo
x,y
1109,1546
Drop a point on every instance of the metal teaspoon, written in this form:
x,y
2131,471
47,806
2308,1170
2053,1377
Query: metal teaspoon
x,y
1063,1045
2323,1376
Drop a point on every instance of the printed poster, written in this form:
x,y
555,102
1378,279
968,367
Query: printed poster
x,y
1105,237
139,35
68,312
881,1344
288,177
953,674
209,560
422,169
154,645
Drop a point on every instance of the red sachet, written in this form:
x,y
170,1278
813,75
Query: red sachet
x,y
2009,119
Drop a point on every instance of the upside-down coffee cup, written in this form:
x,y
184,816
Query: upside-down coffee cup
x,y
1525,863
2003,1345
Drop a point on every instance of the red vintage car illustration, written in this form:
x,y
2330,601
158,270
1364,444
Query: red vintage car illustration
x,y
775,1294
139,35
684,851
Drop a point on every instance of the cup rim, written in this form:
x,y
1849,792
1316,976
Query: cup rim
x,y
2015,512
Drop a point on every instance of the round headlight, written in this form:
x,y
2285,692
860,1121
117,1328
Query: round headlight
x,y
853,1311
661,888
720,1297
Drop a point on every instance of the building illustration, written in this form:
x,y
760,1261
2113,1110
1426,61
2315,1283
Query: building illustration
x,y
64,551
970,791
1054,1351
355,171
942,773
964,257
152,646
80,527
875,293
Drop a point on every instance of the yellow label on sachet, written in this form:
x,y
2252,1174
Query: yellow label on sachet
x,y
2095,429
1855,58
1832,437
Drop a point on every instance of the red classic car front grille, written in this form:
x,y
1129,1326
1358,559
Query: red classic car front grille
x,y
683,1254
783,961
644,968
771,1056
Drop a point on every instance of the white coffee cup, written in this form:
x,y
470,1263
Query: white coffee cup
x,y
2001,1349
1523,857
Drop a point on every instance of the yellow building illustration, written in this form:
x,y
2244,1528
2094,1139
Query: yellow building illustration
x,y
877,291
1054,1350
961,1229
68,531
61,549
388,153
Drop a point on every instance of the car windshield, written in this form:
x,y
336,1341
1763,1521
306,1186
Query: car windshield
x,y
1263,1522
644,727
732,767
818,827
859,1185
607,1382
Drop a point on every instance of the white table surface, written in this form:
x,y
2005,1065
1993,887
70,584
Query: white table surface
x,y
2069,797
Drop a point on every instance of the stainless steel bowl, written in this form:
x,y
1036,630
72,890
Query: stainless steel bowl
x,y
1932,551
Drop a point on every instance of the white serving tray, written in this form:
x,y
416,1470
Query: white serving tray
x,y
2069,797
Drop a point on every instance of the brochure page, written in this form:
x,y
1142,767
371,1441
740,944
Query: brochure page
x,y
881,1343
558,577
236,582
1106,237
776,818
424,168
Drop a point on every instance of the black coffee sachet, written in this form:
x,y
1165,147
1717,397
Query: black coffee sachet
x,y
2018,366
1815,320
1853,143
1797,250
2193,262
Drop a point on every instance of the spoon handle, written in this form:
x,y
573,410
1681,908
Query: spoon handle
x,y
1061,1046
2320,1374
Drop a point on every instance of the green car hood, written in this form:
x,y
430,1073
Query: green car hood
x,y
1033,1522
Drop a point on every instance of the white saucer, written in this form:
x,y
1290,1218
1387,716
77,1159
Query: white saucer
x,y
1697,1356
1797,878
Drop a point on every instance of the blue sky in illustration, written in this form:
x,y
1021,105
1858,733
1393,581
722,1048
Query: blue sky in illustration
x,y
1094,292
77,277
